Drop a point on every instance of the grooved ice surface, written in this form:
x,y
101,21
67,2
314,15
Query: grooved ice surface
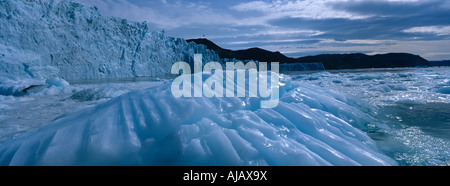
x,y
67,40
311,126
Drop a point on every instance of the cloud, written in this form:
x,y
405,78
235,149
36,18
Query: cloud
x,y
388,20
298,26
271,32
310,9
400,16
163,14
388,8
437,30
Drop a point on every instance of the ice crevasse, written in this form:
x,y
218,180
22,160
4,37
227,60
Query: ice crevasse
x,y
310,126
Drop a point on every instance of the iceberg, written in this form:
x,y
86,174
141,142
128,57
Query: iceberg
x,y
310,126
57,82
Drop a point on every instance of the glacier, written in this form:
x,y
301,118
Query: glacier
x,y
311,126
65,39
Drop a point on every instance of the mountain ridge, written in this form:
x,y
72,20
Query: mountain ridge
x,y
330,61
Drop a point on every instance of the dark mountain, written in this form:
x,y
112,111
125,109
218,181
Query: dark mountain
x,y
210,45
330,61
248,54
358,60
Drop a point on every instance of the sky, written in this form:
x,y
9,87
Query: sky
x,y
299,27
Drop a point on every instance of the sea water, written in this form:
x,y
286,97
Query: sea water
x,y
413,102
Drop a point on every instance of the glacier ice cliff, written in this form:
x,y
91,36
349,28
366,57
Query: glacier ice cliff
x,y
65,39
311,126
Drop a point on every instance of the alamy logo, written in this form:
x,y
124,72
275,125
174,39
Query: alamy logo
x,y
214,86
